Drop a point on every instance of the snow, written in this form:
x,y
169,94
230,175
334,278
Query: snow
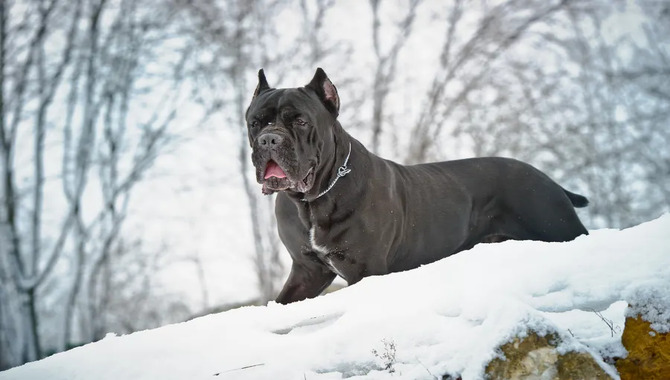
x,y
444,318
651,300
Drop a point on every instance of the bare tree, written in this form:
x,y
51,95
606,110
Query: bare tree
x,y
93,72
386,63
466,57
229,37
244,41
133,299
568,105
313,24
25,250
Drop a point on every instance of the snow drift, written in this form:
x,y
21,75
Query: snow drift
x,y
446,318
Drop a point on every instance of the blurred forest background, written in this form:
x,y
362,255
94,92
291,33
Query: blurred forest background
x,y
127,197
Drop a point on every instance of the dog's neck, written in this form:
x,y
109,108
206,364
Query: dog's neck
x,y
333,172
342,196
341,172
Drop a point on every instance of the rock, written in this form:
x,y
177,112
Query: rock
x,y
536,357
648,351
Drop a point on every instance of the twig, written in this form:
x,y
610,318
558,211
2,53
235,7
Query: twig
x,y
239,369
426,368
608,322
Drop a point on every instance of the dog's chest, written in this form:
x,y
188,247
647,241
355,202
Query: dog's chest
x,y
328,255
318,248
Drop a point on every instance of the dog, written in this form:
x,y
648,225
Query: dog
x,y
343,211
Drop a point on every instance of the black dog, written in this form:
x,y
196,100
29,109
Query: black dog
x,y
343,211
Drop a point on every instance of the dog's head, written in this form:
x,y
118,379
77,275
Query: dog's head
x,y
290,131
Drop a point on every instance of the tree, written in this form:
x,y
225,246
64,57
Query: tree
x,y
241,37
465,60
564,105
386,62
69,90
230,37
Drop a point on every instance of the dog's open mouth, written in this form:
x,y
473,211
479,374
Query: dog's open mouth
x,y
276,179
272,169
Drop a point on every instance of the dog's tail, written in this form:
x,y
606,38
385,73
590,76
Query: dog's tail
x,y
576,199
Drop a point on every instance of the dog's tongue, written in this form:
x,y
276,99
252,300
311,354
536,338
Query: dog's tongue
x,y
273,170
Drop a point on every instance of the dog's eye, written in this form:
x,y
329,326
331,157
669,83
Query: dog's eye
x,y
300,121
255,124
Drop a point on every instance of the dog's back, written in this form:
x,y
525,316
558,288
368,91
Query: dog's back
x,y
514,200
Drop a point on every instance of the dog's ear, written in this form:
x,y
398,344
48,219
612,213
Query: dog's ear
x,y
262,84
326,91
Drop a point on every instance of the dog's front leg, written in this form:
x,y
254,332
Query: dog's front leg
x,y
306,280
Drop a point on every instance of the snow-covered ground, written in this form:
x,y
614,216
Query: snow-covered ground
x,y
443,318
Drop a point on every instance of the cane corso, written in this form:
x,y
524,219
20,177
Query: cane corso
x,y
343,211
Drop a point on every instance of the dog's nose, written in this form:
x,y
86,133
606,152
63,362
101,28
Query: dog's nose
x,y
269,140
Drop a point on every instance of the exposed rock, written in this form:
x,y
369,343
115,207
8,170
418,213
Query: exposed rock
x,y
536,357
648,351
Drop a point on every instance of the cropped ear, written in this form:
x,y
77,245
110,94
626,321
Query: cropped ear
x,y
262,84
326,91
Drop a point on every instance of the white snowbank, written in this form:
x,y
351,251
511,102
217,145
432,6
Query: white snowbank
x,y
443,318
